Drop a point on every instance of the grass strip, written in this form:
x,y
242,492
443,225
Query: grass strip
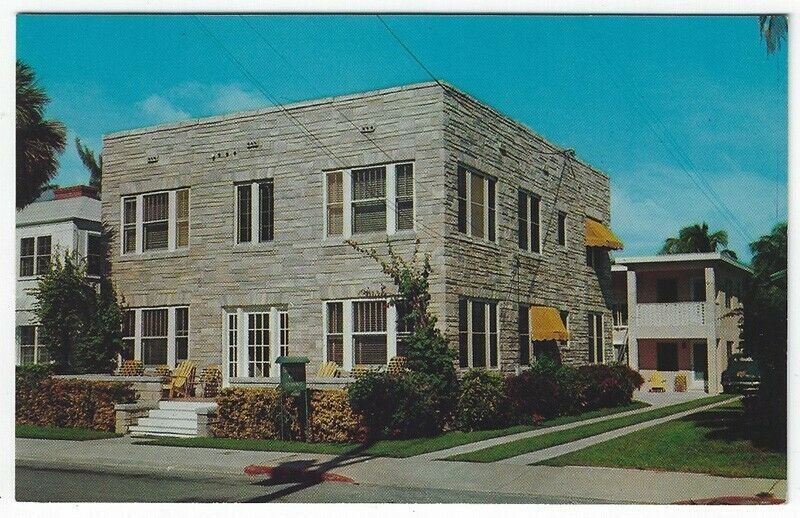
x,y
398,448
715,441
27,431
541,442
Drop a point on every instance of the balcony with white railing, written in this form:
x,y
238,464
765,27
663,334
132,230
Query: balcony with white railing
x,y
671,320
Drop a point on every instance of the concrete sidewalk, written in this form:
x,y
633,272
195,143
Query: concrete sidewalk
x,y
620,485
562,449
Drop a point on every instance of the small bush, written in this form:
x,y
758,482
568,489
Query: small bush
x,y
68,403
254,414
532,394
332,420
608,385
482,402
398,407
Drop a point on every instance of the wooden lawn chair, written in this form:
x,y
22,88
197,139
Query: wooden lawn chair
x,y
657,382
328,370
182,381
211,380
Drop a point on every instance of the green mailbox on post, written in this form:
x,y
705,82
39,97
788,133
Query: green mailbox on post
x,y
293,383
293,373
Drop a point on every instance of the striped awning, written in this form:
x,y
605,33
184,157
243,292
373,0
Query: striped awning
x,y
599,235
546,324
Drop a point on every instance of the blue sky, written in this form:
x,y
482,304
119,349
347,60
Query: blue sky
x,y
645,99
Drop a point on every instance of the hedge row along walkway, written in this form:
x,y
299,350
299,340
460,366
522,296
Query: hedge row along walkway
x,y
552,443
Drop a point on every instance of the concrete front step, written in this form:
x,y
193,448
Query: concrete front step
x,y
172,418
182,424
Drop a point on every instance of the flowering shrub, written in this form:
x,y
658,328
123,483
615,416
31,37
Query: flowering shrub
x,y
67,402
533,393
482,402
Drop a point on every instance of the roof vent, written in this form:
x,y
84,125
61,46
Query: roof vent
x,y
152,159
368,128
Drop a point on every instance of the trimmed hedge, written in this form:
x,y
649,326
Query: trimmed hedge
x,y
255,413
69,403
482,403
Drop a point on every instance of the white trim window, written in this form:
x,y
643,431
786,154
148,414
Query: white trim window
x,y
254,339
155,221
255,211
34,255
361,332
595,338
565,319
476,204
156,335
375,199
30,350
529,221
477,333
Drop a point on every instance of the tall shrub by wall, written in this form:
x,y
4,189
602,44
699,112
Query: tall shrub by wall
x,y
69,403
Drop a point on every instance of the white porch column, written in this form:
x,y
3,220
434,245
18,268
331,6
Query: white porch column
x,y
714,382
274,341
633,343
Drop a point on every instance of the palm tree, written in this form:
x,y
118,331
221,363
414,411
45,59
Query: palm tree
x,y
774,30
695,238
39,140
92,163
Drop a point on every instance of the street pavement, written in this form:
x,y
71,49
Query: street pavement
x,y
416,479
37,485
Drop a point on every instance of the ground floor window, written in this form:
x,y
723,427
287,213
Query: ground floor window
x,y
524,333
363,332
254,338
156,336
595,322
667,356
30,349
477,333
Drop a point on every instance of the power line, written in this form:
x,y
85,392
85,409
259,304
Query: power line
x,y
409,51
297,122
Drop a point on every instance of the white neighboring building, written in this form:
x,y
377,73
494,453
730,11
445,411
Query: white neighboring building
x,y
61,220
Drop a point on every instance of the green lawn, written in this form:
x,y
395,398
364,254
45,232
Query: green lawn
x,y
62,434
540,442
714,442
399,448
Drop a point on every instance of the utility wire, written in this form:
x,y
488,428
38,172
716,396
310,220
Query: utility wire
x,y
294,119
409,51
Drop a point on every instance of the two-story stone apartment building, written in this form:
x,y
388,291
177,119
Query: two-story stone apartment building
x,y
230,244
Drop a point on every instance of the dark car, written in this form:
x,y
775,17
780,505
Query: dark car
x,y
742,375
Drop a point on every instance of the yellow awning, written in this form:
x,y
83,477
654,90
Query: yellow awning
x,y
599,235
546,324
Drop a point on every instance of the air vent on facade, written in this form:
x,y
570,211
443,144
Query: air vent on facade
x,y
152,159
253,145
369,128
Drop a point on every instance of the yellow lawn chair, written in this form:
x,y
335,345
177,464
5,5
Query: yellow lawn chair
x,y
182,381
327,370
657,382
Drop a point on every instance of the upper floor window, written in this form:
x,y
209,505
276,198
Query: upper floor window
x,y
255,209
34,255
667,290
562,228
369,199
94,255
476,204
477,333
155,221
529,221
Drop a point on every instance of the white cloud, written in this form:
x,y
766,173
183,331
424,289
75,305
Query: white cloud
x,y
159,109
216,98
654,201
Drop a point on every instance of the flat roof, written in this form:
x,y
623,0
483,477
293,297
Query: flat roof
x,y
679,258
